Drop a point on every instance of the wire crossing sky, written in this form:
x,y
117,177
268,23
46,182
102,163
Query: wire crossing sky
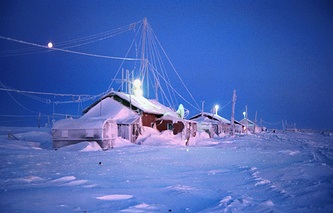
x,y
277,55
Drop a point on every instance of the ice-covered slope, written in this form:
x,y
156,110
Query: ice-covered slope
x,y
279,172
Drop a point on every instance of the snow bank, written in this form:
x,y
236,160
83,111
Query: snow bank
x,y
268,172
115,197
85,146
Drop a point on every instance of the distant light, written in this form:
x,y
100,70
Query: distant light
x,y
138,92
50,45
244,113
137,87
216,109
137,83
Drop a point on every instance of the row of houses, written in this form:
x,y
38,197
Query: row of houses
x,y
119,114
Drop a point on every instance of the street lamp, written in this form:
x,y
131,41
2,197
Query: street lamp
x,y
137,87
216,108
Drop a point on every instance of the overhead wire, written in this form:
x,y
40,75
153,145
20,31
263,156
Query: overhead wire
x,y
177,92
70,43
197,106
152,48
128,51
68,51
17,102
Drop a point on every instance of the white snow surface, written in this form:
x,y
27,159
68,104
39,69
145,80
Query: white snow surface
x,y
266,172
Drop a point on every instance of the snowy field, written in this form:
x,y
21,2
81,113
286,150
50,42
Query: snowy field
x,y
267,172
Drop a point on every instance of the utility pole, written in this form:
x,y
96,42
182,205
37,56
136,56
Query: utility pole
x,y
247,120
234,97
202,106
255,122
122,79
39,115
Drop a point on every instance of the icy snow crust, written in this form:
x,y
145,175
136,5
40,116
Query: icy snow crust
x,y
267,172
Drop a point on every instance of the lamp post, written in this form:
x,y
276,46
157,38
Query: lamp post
x,y
137,87
216,108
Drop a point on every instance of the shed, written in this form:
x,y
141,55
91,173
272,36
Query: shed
x,y
71,131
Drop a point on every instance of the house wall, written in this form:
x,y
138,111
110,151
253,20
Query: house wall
x,y
148,119
161,125
129,131
178,127
124,131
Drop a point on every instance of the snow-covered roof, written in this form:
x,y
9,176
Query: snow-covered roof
x,y
244,121
209,117
136,102
110,108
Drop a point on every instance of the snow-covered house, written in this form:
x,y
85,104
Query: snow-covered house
x,y
136,111
238,127
71,131
250,126
212,123
128,121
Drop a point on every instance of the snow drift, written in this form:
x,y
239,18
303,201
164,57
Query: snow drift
x,y
268,172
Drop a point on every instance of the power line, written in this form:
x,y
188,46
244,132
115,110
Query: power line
x,y
44,93
68,51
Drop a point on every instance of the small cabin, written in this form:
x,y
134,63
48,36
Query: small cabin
x,y
250,126
71,131
212,123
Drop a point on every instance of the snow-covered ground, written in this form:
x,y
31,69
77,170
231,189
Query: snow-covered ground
x,y
267,172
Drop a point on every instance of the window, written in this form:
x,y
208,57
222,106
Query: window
x,y
64,133
169,126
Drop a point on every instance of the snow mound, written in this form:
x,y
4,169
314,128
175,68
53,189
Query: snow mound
x,y
120,142
30,179
143,207
165,138
84,146
115,197
63,179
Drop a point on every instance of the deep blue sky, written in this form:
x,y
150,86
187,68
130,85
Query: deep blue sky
x,y
278,55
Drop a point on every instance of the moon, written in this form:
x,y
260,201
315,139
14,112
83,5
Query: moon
x,y
50,45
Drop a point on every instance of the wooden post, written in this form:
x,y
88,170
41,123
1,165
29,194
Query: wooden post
x,y
247,120
128,90
202,106
39,115
255,122
122,79
232,123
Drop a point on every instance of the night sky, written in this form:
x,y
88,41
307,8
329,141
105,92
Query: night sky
x,y
278,55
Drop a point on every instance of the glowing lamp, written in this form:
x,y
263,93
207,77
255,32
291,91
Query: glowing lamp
x,y
50,45
137,83
216,108
138,92
137,87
